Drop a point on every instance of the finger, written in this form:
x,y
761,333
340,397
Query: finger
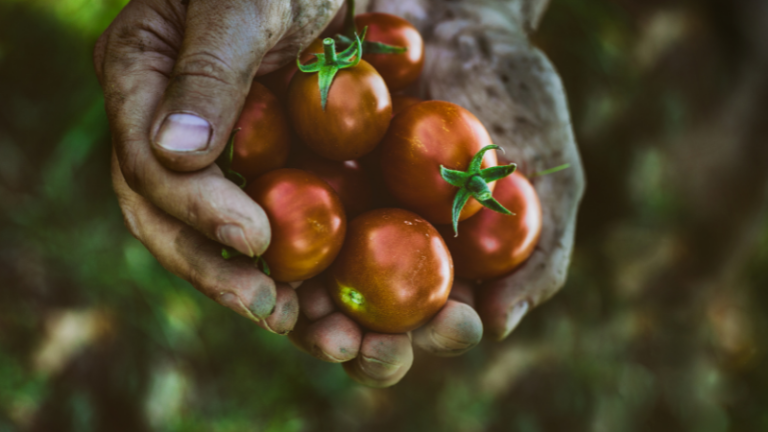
x,y
453,331
503,303
334,338
204,200
236,284
286,313
218,59
314,300
383,361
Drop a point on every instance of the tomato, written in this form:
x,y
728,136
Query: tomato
x,y
307,221
393,273
264,139
401,102
346,178
277,81
398,70
420,140
355,119
492,244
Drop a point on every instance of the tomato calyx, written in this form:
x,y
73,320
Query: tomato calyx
x,y
228,253
474,183
330,62
224,161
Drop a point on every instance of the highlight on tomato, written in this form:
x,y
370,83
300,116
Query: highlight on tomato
x,y
307,220
393,273
492,244
263,138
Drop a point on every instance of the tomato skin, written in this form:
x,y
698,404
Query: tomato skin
x,y
401,102
492,244
398,70
347,178
277,81
355,119
264,140
419,140
307,221
393,273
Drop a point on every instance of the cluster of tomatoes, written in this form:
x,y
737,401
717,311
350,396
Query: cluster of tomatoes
x,y
368,186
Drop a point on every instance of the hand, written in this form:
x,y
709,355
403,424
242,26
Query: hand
x,y
376,359
482,60
175,77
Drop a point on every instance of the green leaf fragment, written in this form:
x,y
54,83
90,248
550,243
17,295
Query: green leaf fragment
x,y
494,205
458,203
454,177
498,172
477,160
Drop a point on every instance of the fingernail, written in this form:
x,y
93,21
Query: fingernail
x,y
514,317
233,235
233,302
378,369
184,133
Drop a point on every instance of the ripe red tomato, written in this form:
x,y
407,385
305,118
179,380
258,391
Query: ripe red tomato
x,y
347,178
307,221
264,139
277,81
419,140
398,70
393,273
355,119
401,102
492,244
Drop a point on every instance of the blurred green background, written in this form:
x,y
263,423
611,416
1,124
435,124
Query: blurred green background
x,y
661,325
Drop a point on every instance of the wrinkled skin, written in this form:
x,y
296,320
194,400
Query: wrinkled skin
x,y
492,244
355,118
398,70
307,220
394,272
420,140
263,141
278,81
181,208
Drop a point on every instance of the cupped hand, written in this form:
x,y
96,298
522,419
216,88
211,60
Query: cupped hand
x,y
479,57
175,75
378,359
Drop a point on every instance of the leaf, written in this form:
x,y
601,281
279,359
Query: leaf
x,y
550,170
494,205
477,159
325,79
497,172
453,177
263,265
370,47
458,203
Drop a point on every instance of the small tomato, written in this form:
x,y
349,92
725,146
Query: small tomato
x,y
398,70
492,244
307,221
355,118
420,140
393,273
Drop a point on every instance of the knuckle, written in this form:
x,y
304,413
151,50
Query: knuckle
x,y
209,66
